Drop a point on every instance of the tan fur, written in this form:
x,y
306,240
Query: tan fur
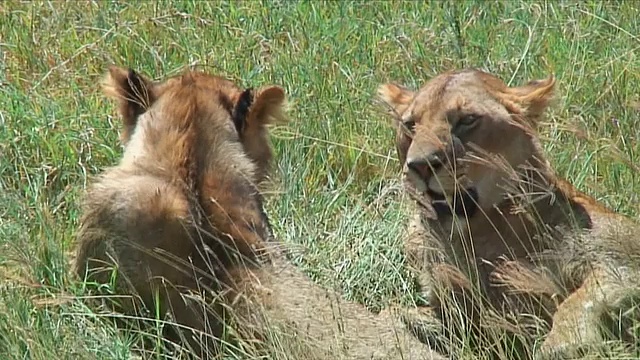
x,y
179,226
522,213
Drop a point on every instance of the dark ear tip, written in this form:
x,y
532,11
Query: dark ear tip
x,y
134,80
246,98
241,109
132,75
247,93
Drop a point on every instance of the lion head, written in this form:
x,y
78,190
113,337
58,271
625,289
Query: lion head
x,y
451,131
220,110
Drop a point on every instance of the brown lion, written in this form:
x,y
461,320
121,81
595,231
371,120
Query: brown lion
x,y
179,226
498,237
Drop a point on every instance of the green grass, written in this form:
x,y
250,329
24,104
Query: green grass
x,y
337,176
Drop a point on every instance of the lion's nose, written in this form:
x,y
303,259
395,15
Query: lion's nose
x,y
425,165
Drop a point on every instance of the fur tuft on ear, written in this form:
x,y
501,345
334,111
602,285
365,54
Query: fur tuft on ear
x,y
396,96
132,91
535,96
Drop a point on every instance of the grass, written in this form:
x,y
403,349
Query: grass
x,y
337,177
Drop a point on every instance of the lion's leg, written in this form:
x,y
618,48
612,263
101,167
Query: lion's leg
x,y
432,321
414,248
578,322
421,253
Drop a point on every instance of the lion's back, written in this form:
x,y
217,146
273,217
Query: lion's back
x,y
125,216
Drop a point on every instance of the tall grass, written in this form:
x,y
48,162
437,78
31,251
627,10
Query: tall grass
x,y
336,194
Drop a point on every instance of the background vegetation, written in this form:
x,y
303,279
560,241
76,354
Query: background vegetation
x,y
336,191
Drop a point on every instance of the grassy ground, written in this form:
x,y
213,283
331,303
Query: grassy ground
x,y
336,193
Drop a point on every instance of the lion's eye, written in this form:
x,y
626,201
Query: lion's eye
x,y
467,122
468,119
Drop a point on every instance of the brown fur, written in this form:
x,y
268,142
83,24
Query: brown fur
x,y
180,223
516,217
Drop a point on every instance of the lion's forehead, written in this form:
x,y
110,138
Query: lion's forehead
x,y
463,92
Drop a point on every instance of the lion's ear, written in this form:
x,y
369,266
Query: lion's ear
x,y
535,96
256,108
396,97
268,105
133,92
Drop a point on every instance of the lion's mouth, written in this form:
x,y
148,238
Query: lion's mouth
x,y
464,201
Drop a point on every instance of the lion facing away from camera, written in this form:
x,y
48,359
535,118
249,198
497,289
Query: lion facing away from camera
x,y
178,226
494,226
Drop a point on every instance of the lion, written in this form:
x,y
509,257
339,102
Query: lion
x,y
178,228
497,236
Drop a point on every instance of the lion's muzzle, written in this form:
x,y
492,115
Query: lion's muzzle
x,y
425,166
441,177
